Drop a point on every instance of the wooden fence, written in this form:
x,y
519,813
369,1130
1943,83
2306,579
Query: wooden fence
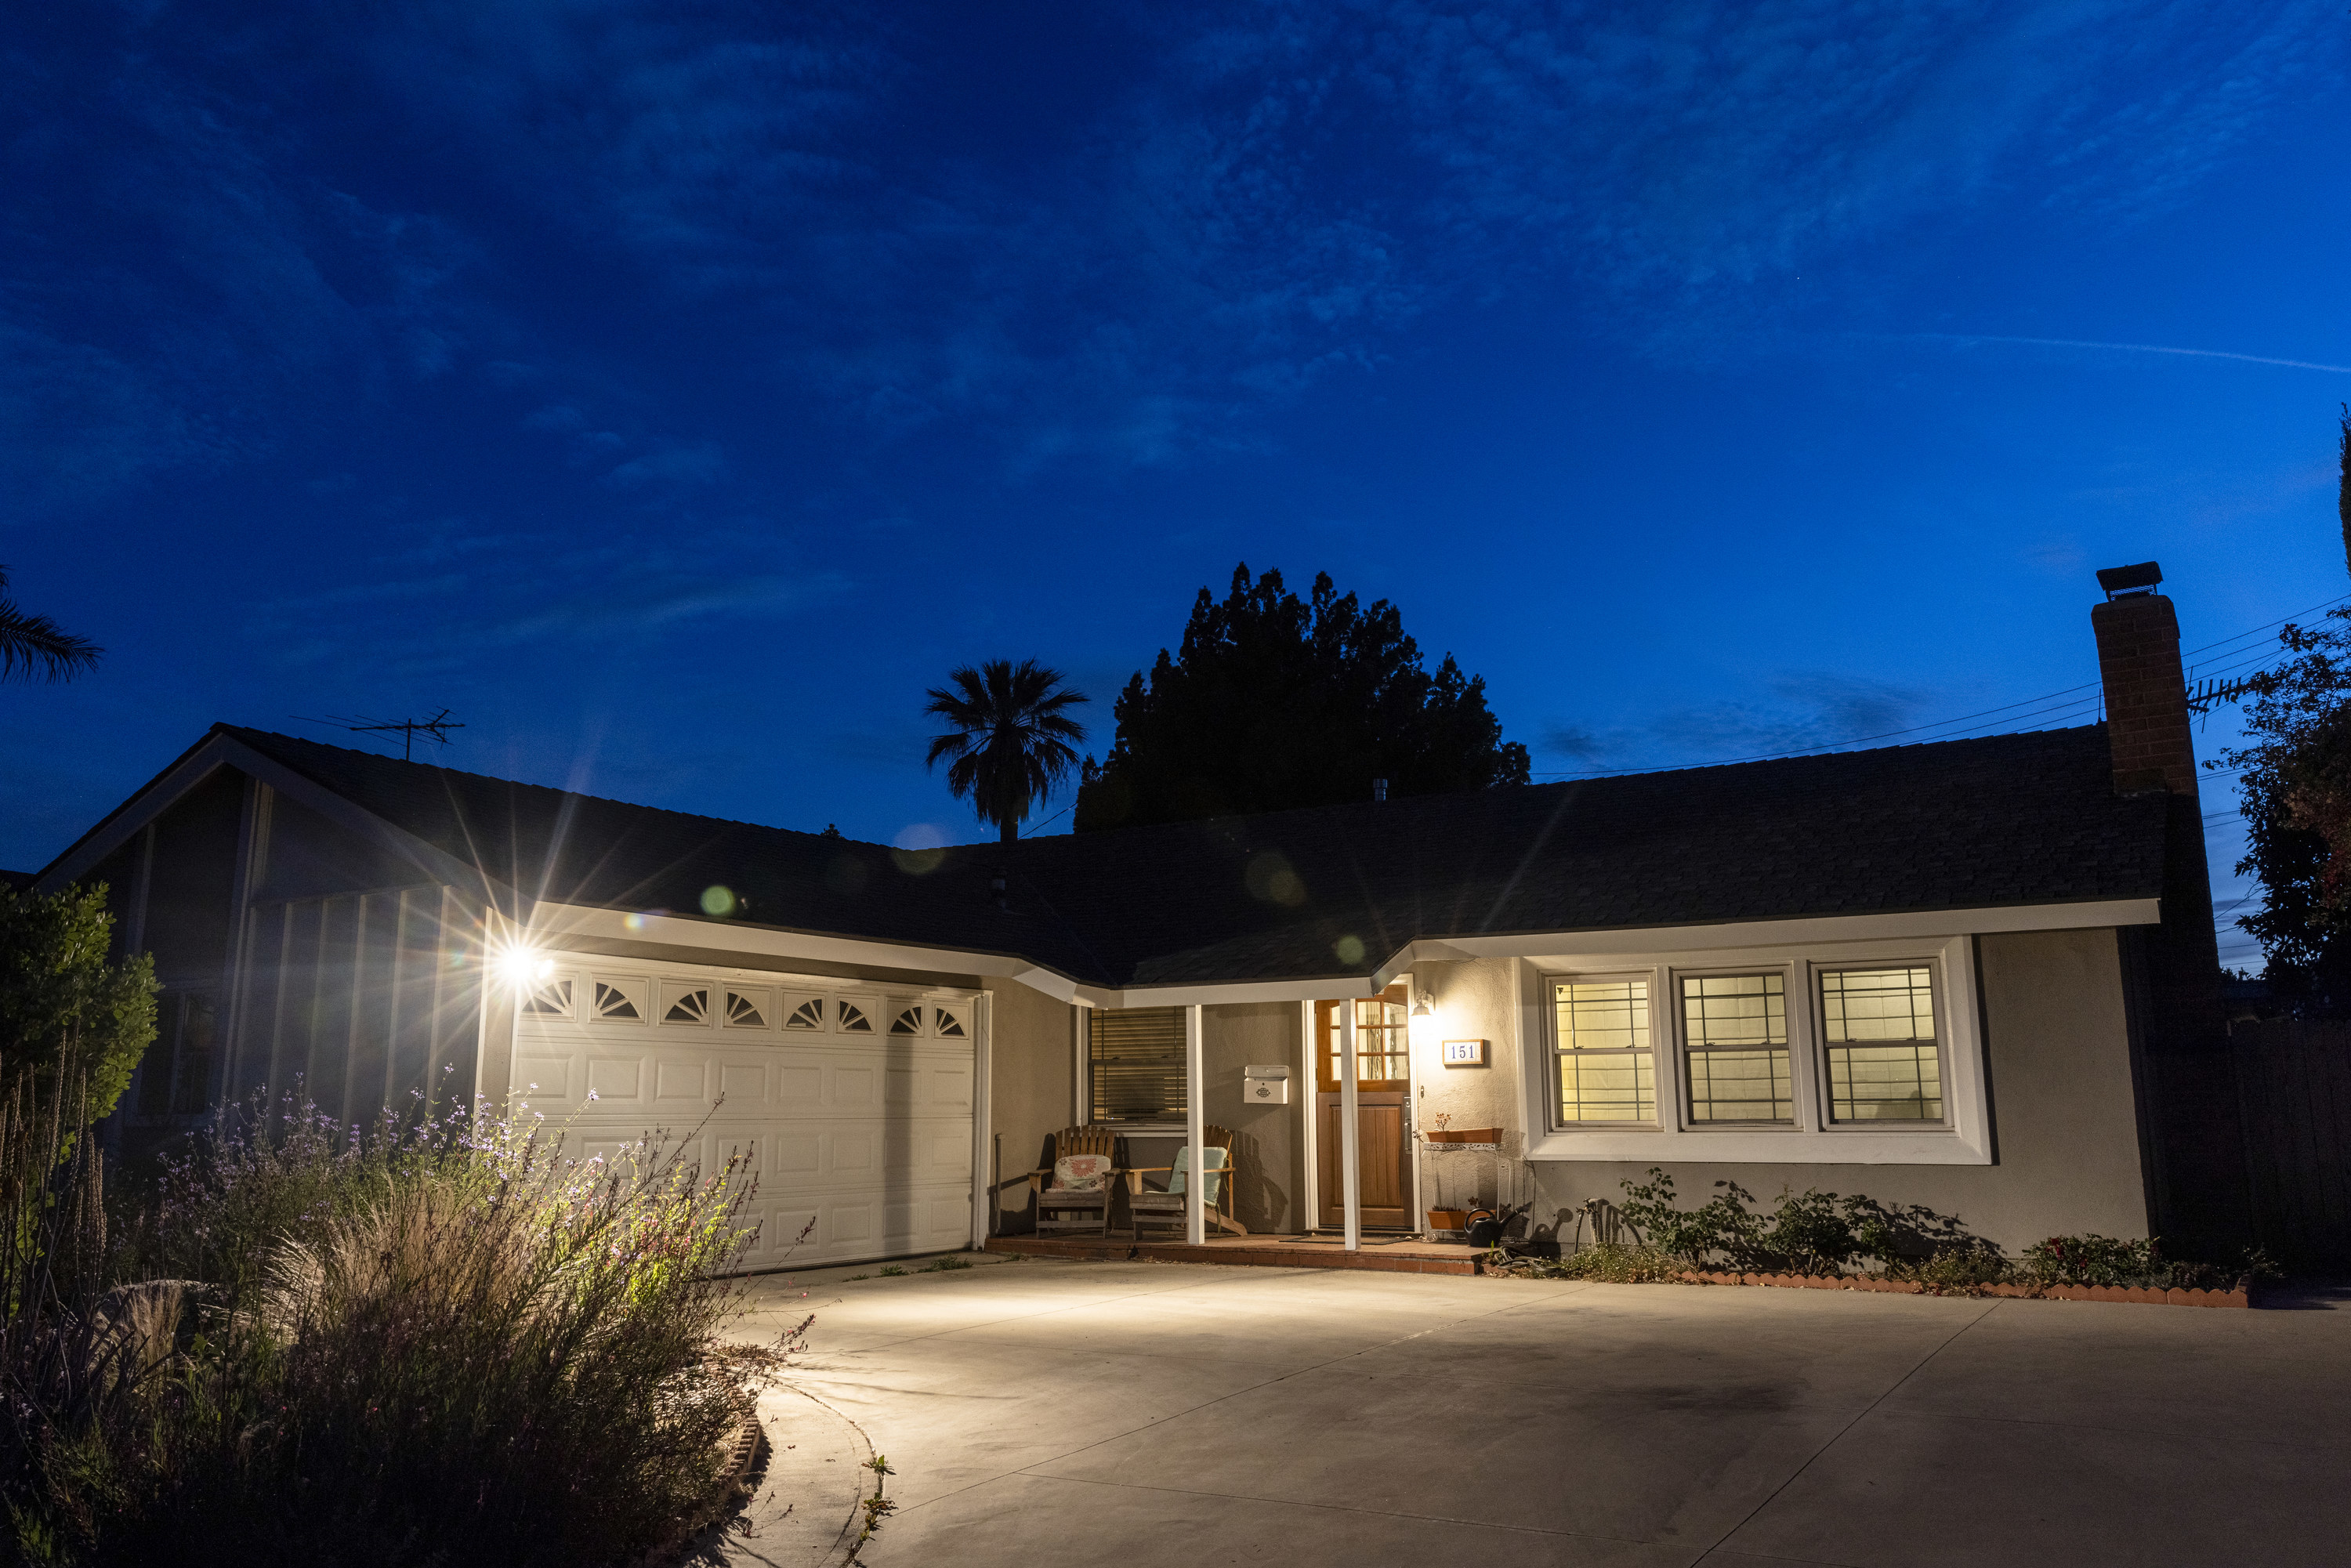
x,y
2294,1091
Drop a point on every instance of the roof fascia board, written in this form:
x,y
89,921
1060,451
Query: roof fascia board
x,y
552,922
2116,912
159,795
1309,990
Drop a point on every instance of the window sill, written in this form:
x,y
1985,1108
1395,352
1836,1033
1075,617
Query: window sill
x,y
1765,1146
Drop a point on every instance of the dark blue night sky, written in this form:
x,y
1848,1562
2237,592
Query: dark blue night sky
x,y
675,391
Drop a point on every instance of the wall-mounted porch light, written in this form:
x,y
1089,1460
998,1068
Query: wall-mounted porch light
x,y
1423,1023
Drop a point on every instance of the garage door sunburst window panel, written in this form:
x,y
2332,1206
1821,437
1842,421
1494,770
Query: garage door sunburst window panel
x,y
693,1008
1136,1057
748,1012
1735,1038
548,999
613,1002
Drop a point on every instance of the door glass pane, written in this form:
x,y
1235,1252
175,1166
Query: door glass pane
x,y
1382,1041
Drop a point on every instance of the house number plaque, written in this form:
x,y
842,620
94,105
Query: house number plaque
x,y
1464,1053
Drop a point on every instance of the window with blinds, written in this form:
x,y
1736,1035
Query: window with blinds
x,y
1735,1039
1136,1058
1605,1070
1878,1026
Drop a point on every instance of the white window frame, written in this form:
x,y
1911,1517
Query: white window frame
x,y
1791,978
1662,1099
1817,1018
1963,1138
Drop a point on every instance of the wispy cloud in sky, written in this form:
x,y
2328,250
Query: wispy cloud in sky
x,y
1965,339
719,374
1252,199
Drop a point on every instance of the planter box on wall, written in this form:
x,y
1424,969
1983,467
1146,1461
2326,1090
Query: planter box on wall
x,y
2239,1297
1466,1135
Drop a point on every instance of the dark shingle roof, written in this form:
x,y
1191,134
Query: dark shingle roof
x,y
582,848
2003,820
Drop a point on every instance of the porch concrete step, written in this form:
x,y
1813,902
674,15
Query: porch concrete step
x,y
1399,1257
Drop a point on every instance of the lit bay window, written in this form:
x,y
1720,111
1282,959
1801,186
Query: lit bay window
x,y
1735,1044
1605,1070
1877,1027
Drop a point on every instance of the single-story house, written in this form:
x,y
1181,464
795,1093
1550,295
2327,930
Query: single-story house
x,y
1947,973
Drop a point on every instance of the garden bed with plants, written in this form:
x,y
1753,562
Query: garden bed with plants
x,y
1823,1241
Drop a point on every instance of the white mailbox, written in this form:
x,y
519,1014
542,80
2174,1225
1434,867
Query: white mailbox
x,y
1266,1085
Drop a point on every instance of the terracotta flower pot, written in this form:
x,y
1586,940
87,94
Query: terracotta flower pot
x,y
1447,1218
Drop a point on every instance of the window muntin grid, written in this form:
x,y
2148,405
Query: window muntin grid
x,y
1877,1031
1606,1071
1735,1045
1382,1041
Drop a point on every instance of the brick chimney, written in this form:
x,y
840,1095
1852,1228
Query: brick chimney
x,y
2146,690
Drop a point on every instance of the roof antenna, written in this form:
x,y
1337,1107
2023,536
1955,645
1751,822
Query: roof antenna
x,y
438,727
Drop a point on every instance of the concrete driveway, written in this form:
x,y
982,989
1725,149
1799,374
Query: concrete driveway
x,y
1043,1413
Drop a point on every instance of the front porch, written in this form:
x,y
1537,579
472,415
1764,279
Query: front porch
x,y
1394,1255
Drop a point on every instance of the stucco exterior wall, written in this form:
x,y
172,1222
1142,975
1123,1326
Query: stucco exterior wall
x,y
1032,1085
1268,1188
2066,1138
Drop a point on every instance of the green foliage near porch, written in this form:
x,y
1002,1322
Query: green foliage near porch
x,y
1824,1234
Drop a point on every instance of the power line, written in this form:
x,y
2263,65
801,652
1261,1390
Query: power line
x,y
2079,705
2280,620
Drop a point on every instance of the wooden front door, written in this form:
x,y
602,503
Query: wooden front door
x,y
1383,1095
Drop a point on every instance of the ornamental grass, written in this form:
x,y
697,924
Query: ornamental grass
x,y
438,1343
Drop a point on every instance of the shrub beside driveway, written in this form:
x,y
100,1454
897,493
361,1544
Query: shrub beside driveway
x,y
442,1344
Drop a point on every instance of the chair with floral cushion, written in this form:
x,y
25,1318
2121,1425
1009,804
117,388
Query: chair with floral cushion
x,y
1153,1211
1073,1192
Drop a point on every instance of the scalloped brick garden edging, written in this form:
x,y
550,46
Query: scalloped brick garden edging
x,y
2239,1297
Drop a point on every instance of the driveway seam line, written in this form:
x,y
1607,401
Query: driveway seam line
x,y
1838,1436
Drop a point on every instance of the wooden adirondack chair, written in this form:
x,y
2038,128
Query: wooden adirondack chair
x,y
1061,1211
1157,1210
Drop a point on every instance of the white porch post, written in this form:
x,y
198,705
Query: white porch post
x,y
1196,1214
1351,1166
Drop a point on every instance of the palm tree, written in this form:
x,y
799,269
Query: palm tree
x,y
35,643
1010,741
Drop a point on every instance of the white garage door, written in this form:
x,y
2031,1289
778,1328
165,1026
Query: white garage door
x,y
851,1101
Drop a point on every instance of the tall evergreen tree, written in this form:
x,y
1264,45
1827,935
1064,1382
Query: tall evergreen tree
x,y
1272,702
2295,790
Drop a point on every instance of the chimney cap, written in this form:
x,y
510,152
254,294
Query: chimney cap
x,y
2118,581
